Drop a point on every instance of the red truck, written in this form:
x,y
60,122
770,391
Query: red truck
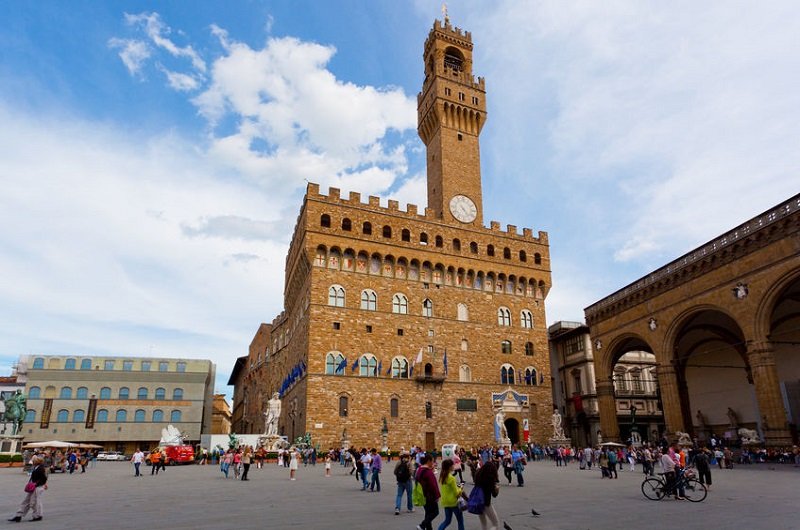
x,y
178,454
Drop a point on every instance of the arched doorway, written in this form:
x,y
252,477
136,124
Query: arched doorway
x,y
512,426
784,336
428,370
715,384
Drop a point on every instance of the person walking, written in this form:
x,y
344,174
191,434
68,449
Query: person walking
x,y
487,480
328,459
137,459
294,463
225,462
602,461
376,465
155,462
33,492
632,458
519,462
450,493
612,463
430,489
246,461
365,460
402,472
458,466
237,463
703,464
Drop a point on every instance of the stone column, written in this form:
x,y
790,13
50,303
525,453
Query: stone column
x,y
608,410
760,356
670,399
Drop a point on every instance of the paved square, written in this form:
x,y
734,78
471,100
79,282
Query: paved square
x,y
109,497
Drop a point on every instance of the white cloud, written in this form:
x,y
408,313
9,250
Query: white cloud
x,y
133,53
180,82
158,33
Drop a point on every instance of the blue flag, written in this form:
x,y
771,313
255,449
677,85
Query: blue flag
x,y
380,368
541,378
342,366
444,360
355,365
389,370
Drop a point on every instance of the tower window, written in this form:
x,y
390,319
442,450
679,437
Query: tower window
x,y
490,250
537,258
460,137
457,245
523,256
461,96
367,229
454,59
347,225
473,247
405,235
325,221
439,241
387,231
423,238
446,91
507,253
475,100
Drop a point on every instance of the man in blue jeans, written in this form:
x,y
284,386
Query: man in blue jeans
x,y
402,472
376,465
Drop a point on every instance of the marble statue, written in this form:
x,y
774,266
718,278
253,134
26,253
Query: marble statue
x,y
500,431
683,438
272,415
558,429
749,436
15,410
733,418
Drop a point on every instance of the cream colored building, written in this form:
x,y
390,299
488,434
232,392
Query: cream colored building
x,y
117,402
575,395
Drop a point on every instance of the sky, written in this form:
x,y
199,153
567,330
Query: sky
x,y
154,155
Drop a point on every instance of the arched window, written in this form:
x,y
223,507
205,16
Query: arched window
x,y
366,228
158,416
636,381
347,224
325,221
507,253
63,416
464,345
423,238
138,417
490,250
507,374
428,410
473,248
142,393
504,316
34,392
124,392
66,393
528,348
439,242
160,393
335,363
505,346
122,416
427,308
82,393
79,416
105,393
86,364
523,256
30,416
368,366
69,364
387,231
400,368
621,380
102,416
394,407
336,296
400,304
457,245
526,319
38,363
537,259
177,394
369,300
405,235
175,416
464,374
462,312
530,376
343,406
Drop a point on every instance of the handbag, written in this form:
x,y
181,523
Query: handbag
x,y
476,502
417,495
30,487
462,504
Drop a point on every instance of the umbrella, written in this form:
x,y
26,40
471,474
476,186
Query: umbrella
x,y
89,446
52,443
612,444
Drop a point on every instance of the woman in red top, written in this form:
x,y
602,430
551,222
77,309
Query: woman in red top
x,y
430,488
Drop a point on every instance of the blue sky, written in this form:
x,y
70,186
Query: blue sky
x,y
153,155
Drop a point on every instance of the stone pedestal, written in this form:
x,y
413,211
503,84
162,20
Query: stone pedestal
x,y
271,442
556,442
504,441
11,444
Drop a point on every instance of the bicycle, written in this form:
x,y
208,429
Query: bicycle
x,y
656,489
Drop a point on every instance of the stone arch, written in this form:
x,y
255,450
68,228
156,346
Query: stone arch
x,y
762,321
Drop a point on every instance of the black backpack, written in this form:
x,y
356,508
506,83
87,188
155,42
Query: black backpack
x,y
402,472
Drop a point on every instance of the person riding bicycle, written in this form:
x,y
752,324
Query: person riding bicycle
x,y
670,461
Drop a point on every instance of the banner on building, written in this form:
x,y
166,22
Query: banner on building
x,y
47,408
90,413
526,430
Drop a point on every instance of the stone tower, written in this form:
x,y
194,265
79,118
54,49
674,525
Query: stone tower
x,y
451,110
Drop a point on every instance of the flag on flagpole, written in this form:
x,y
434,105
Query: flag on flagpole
x,y
380,368
414,363
342,366
419,357
444,360
541,378
355,365
389,370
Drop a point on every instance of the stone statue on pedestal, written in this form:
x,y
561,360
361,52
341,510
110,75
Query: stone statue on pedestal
x,y
733,418
558,428
272,415
500,431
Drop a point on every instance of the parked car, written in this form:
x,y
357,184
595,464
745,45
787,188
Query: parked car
x,y
111,455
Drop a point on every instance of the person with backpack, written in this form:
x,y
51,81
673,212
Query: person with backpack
x,y
489,483
430,490
402,472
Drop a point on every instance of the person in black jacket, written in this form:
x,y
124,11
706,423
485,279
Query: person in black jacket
x,y
487,480
33,499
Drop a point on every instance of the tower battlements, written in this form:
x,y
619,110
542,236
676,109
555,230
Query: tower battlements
x,y
413,212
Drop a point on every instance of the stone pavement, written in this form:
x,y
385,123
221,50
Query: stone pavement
x,y
109,497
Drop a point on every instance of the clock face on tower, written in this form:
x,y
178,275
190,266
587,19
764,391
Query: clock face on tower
x,y
463,208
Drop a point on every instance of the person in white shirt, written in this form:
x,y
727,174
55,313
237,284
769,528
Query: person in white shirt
x,y
137,459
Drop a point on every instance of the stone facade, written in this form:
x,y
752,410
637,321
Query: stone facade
x,y
221,416
575,395
117,402
722,322
376,297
